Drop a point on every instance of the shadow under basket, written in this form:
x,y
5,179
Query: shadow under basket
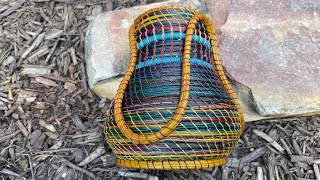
x,y
174,108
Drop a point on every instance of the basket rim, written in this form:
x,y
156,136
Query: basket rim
x,y
138,19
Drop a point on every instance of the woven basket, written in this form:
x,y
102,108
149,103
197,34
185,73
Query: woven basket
x,y
174,108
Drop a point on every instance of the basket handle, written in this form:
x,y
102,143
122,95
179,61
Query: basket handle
x,y
185,83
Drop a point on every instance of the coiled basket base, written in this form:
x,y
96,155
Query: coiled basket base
x,y
172,165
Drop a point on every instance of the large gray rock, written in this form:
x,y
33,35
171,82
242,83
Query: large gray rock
x,y
107,44
218,12
272,51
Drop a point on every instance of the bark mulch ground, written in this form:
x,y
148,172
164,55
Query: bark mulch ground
x,y
51,124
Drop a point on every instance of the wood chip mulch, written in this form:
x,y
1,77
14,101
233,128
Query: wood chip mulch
x,y
51,124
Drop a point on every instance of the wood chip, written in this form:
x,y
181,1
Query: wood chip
x,y
40,105
35,44
26,96
98,152
49,127
253,155
225,172
46,81
73,55
285,145
268,139
38,54
271,166
12,9
51,51
78,122
316,171
296,147
259,174
4,138
3,8
233,162
37,139
54,34
9,60
11,110
70,87
35,71
22,128
57,145
109,6
302,130
316,161
296,158
9,172
52,135
138,175
78,168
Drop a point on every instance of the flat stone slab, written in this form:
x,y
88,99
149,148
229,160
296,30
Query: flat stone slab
x,y
272,50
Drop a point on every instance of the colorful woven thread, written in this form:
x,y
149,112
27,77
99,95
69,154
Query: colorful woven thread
x,y
174,108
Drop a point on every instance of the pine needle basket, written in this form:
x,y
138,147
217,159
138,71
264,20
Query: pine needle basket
x,y
174,108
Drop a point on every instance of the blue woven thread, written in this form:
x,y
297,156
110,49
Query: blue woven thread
x,y
167,36
166,60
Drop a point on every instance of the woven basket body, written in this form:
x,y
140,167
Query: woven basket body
x,y
174,108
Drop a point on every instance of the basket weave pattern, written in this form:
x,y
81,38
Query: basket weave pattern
x,y
174,108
